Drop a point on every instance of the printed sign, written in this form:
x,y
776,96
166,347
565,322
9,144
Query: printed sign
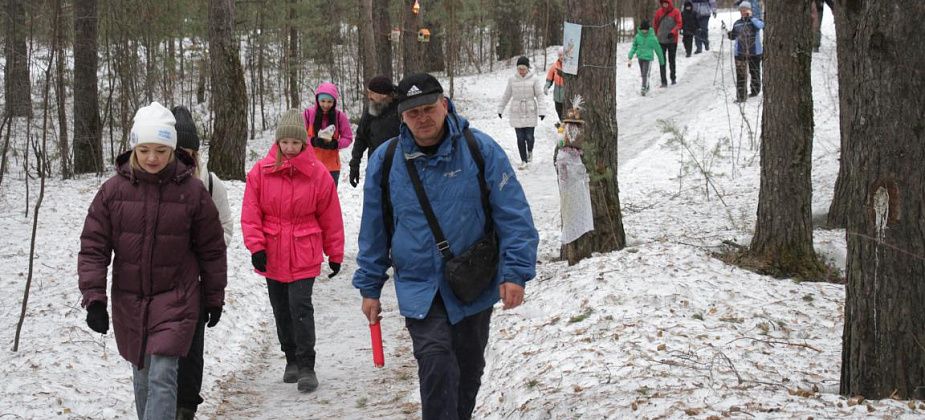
x,y
571,44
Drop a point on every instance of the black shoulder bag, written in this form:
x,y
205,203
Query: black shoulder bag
x,y
472,272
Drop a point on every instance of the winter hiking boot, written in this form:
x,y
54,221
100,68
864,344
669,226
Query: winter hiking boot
x,y
184,413
753,94
291,374
530,156
308,382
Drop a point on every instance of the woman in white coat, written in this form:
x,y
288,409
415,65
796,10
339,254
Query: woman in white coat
x,y
524,92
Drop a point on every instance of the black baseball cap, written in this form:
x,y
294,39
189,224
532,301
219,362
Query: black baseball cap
x,y
418,89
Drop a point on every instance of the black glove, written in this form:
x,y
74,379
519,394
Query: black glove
x,y
215,314
316,142
259,261
335,268
330,145
747,18
98,318
499,116
731,36
541,117
354,176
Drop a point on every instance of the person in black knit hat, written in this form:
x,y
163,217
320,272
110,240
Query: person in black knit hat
x,y
380,122
189,368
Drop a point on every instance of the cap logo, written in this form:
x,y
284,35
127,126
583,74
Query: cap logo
x,y
164,134
413,91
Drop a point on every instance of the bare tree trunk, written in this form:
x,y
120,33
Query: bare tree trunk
x,y
510,31
382,27
260,66
595,82
61,93
17,87
42,165
841,200
783,240
883,345
228,144
88,148
367,40
292,60
411,49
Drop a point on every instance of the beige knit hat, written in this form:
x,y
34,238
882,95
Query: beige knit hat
x,y
291,126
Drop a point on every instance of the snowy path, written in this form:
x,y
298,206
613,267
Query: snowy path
x,y
349,386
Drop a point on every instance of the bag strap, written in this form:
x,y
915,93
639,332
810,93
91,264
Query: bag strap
x,y
483,185
442,245
384,185
210,183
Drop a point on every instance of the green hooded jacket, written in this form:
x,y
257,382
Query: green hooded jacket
x,y
644,45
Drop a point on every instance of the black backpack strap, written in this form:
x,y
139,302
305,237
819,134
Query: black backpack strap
x,y
210,183
384,185
483,185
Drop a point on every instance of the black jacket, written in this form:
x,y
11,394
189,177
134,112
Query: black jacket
x,y
689,21
373,131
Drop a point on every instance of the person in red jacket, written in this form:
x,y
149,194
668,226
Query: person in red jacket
x,y
291,217
161,225
328,128
667,26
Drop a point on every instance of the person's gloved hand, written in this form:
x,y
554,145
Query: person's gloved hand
x,y
259,260
714,15
354,176
214,315
335,268
316,142
629,63
541,117
499,116
546,90
730,35
98,317
747,18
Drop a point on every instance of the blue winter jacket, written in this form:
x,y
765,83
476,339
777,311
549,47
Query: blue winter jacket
x,y
747,34
450,178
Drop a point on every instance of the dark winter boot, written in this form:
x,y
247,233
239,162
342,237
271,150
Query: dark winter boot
x,y
291,375
308,382
184,413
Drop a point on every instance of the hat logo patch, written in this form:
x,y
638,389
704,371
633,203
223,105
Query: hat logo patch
x,y
414,91
164,134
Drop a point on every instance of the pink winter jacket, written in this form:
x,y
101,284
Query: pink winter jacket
x,y
343,135
293,213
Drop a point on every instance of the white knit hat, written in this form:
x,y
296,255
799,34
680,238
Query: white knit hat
x,y
745,5
154,124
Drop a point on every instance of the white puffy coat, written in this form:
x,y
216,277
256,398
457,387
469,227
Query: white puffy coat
x,y
526,97
220,198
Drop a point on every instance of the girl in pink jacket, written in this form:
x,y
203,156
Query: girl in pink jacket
x,y
328,128
290,216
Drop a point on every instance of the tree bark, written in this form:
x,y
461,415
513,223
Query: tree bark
x,y
783,240
227,146
64,150
434,56
17,85
510,30
292,60
841,200
88,132
411,49
883,345
366,42
381,31
595,83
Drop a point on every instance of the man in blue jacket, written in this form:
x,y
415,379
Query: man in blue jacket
x,y
449,336
748,51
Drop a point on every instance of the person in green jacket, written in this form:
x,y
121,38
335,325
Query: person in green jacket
x,y
645,46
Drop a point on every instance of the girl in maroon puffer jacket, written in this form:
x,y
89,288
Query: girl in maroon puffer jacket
x,y
163,229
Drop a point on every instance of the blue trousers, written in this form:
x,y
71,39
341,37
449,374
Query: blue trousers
x,y
451,359
156,388
525,142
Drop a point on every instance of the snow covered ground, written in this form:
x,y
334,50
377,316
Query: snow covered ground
x,y
659,329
